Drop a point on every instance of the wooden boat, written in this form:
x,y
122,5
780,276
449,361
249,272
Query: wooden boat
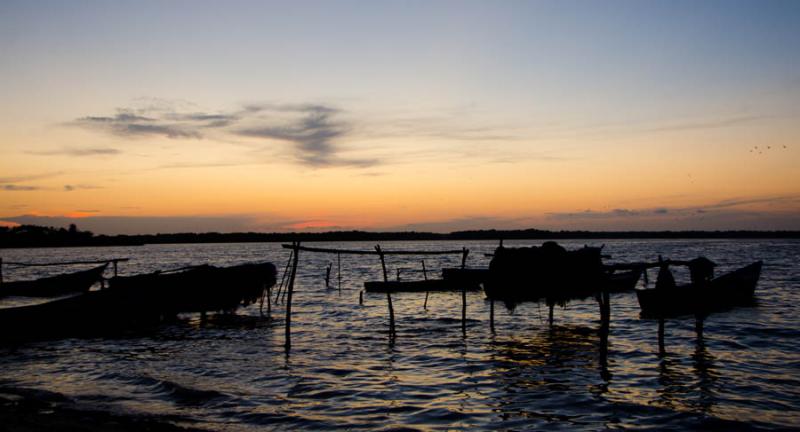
x,y
428,285
63,284
548,272
724,292
141,301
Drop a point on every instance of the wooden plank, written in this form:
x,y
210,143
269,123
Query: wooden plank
x,y
372,252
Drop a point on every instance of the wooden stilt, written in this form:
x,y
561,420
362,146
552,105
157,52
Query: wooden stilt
x,y
491,315
464,310
425,276
464,253
1,271
661,350
339,270
328,276
361,298
698,325
115,268
269,302
388,294
290,290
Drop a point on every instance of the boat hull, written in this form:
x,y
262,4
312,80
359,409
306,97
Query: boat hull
x,y
53,286
137,302
730,290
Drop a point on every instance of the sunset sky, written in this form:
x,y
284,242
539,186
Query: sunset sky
x,y
164,116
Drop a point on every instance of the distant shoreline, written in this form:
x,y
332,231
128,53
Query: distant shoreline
x,y
29,236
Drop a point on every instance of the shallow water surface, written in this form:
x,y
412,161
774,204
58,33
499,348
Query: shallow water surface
x,y
342,372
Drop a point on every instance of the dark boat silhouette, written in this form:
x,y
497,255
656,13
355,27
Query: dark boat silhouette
x,y
721,293
63,284
139,301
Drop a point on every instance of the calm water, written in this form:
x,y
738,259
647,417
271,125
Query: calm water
x,y
342,373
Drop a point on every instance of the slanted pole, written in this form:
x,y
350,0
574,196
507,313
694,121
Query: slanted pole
x,y
290,290
661,350
388,294
284,276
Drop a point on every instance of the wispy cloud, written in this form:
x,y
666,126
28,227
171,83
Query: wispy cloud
x,y
71,187
708,124
16,187
30,177
314,130
79,151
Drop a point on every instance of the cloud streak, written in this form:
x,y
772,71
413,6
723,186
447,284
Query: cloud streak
x,y
78,152
18,188
313,130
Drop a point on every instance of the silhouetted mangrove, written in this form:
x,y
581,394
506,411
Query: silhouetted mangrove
x,y
36,236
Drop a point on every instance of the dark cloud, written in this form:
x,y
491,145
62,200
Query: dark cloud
x,y
131,125
16,187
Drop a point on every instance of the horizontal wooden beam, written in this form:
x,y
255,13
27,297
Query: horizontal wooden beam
x,y
65,262
372,252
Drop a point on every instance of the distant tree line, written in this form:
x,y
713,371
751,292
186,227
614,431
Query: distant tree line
x,y
39,236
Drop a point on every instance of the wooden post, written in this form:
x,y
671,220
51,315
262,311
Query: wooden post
x,y
464,253
698,325
661,350
328,276
425,276
550,319
491,315
339,270
290,290
1,271
269,303
388,294
115,268
361,298
398,275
